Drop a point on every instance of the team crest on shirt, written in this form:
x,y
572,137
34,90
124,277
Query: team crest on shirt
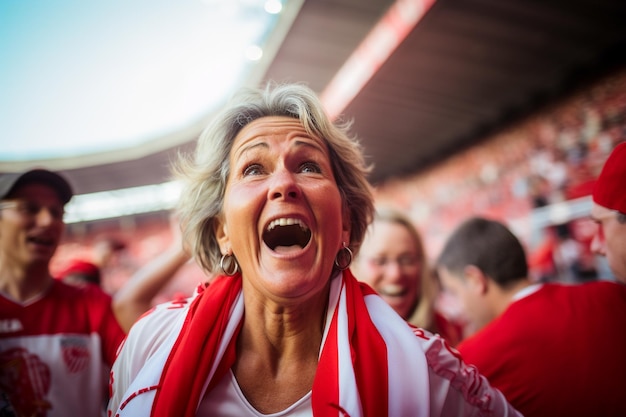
x,y
76,353
24,383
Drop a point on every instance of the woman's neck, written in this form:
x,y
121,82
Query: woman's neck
x,y
277,352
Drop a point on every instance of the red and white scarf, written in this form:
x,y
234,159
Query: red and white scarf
x,y
371,363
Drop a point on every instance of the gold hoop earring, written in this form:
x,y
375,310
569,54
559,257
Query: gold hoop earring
x,y
343,258
232,264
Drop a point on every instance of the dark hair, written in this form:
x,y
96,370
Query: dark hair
x,y
488,245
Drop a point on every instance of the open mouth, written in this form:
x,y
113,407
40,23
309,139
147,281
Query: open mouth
x,y
286,234
43,241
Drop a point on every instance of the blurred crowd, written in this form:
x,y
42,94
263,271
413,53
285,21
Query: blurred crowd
x,y
517,175
453,251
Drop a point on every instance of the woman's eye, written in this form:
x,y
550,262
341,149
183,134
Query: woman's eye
x,y
310,167
254,169
378,261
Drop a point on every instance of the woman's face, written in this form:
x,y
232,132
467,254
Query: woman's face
x,y
390,262
282,215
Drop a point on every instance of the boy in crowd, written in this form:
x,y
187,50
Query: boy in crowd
x,y
57,341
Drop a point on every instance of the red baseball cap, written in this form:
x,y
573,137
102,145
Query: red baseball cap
x,y
609,189
88,270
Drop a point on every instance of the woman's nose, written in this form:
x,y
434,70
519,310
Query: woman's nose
x,y
393,270
283,185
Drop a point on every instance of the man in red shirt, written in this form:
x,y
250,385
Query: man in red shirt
x,y
552,349
609,212
57,342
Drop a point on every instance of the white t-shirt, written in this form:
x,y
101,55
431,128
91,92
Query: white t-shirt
x,y
226,399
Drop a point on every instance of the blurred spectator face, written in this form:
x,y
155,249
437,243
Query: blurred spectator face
x,y
31,224
106,249
609,239
389,261
467,292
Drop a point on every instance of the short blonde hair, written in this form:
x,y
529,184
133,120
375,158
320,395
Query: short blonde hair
x,y
204,174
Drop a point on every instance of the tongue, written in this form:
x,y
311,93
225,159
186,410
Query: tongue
x,y
286,249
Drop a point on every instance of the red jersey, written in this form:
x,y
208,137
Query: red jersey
x,y
56,352
560,351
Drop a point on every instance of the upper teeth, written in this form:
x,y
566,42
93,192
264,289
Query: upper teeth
x,y
391,289
286,222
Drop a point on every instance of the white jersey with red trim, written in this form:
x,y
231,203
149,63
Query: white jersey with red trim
x,y
56,352
428,378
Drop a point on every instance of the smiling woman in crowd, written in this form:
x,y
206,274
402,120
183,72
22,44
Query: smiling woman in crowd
x,y
393,261
276,200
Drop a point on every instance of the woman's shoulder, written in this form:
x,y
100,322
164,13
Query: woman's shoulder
x,y
165,314
156,325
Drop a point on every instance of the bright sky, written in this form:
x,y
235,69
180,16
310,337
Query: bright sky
x,y
81,76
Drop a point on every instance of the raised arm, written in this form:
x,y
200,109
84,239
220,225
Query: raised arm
x,y
135,297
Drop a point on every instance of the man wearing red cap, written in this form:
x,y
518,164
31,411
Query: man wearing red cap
x,y
609,212
57,341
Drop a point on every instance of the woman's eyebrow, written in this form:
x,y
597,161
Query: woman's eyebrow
x,y
249,147
312,144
